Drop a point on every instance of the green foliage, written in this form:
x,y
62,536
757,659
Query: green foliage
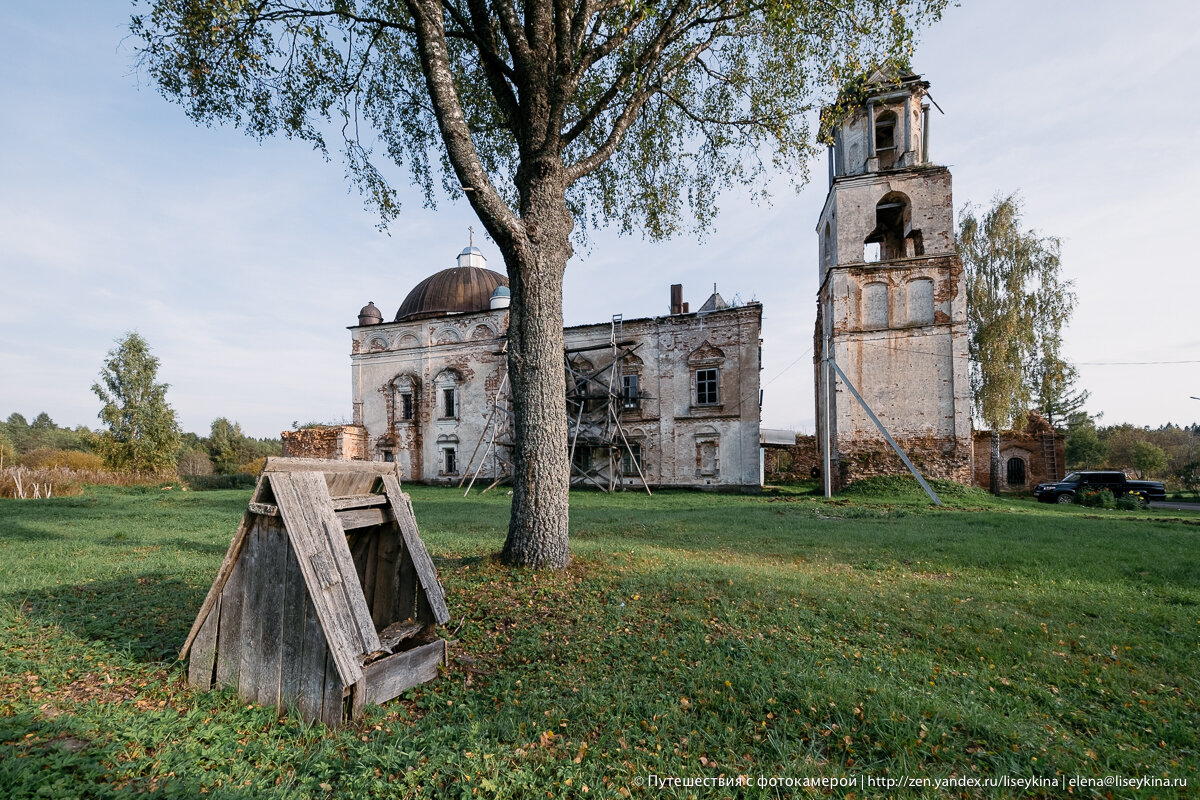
x,y
1097,498
1129,502
1189,477
1148,459
1084,448
42,434
1016,307
223,440
941,642
142,434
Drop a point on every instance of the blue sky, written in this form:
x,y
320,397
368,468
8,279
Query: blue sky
x,y
242,263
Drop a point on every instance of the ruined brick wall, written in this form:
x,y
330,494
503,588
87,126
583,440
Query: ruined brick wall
x,y
794,463
933,457
1032,448
344,442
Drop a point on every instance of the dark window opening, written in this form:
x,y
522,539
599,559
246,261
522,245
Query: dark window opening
x,y
448,403
631,459
450,460
406,405
885,139
706,387
388,455
1016,471
582,458
630,398
891,234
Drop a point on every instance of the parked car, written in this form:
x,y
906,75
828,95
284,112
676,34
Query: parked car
x,y
1069,488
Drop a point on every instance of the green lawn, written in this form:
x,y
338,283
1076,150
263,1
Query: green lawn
x,y
781,636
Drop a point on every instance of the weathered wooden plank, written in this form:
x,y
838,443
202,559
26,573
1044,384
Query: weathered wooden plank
x,y
363,518
253,594
397,632
332,709
311,675
272,570
264,509
405,604
387,678
385,576
214,591
359,501
372,569
229,626
324,558
294,602
203,660
426,574
331,465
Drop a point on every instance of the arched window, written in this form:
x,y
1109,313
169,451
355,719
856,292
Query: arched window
x,y
1016,471
446,394
404,399
885,139
920,301
827,247
875,305
892,219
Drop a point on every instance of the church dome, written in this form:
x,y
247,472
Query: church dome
x,y
369,315
456,290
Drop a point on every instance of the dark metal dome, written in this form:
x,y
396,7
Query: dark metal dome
x,y
369,315
451,291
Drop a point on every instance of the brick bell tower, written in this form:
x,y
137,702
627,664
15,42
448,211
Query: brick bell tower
x,y
891,307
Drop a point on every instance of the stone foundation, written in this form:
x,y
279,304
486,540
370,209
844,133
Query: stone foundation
x,y
799,462
943,459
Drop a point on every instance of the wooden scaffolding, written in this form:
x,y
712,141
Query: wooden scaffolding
x,y
601,454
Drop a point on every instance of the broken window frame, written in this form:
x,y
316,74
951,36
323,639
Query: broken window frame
x,y
631,397
708,386
632,459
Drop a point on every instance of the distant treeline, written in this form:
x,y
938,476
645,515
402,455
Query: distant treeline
x,y
1169,452
226,450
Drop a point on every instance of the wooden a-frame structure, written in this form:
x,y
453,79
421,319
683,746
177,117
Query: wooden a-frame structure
x,y
327,599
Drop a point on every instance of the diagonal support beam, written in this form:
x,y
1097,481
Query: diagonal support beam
x,y
924,485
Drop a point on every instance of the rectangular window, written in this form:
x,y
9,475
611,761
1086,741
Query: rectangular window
x,y
706,387
630,397
448,404
450,458
631,459
583,458
406,405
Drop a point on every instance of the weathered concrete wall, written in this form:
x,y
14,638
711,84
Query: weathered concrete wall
x,y
683,443
345,442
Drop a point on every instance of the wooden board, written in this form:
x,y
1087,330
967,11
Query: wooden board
x,y
385,679
203,661
363,518
383,601
332,709
272,570
295,601
229,626
310,694
426,574
214,591
328,568
253,591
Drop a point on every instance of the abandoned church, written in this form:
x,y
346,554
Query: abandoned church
x,y
674,400
671,400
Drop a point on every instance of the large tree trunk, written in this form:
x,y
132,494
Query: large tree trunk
x,y
537,529
994,485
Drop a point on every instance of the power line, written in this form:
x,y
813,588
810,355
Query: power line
x,y
789,366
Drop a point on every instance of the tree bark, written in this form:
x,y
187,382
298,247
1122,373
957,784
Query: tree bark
x,y
994,485
537,529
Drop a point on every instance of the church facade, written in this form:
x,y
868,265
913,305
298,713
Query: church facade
x,y
671,400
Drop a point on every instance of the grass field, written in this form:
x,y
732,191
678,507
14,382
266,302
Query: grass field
x,y
694,636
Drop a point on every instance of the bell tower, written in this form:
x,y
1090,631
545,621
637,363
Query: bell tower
x,y
891,307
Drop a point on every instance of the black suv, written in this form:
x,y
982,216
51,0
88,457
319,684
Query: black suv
x,y
1068,489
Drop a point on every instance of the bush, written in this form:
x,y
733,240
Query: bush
x,y
45,458
1129,502
1098,498
205,483
253,467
